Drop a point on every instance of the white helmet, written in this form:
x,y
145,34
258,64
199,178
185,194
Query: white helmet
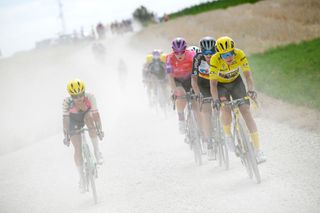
x,y
194,49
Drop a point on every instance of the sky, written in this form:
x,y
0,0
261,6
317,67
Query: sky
x,y
23,22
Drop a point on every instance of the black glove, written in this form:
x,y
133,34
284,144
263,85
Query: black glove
x,y
217,104
100,134
252,94
66,140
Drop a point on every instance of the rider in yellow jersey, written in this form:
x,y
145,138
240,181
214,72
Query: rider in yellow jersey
x,y
225,81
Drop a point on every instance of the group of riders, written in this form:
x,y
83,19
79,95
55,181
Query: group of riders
x,y
213,70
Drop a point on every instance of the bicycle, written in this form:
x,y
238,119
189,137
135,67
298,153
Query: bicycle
x,y
244,148
89,165
219,145
192,131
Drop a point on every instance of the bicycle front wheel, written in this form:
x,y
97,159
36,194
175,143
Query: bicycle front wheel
x,y
93,187
251,158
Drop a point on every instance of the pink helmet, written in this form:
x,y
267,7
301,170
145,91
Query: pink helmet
x,y
179,44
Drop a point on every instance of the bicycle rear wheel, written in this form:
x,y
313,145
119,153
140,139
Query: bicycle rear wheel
x,y
195,139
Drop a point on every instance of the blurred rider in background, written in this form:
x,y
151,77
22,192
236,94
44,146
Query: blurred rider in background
x,y
179,69
80,109
155,65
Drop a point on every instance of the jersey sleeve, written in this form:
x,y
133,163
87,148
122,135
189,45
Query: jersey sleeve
x,y
195,64
244,64
214,67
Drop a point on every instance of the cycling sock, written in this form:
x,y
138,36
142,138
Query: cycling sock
x,y
227,130
255,140
181,116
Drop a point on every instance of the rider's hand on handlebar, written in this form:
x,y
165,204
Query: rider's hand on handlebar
x,y
217,104
252,94
66,140
100,134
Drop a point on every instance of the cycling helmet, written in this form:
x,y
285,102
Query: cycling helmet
x,y
76,87
225,44
208,44
156,53
194,49
149,58
179,44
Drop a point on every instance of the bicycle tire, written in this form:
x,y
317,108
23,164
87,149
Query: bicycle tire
x,y
93,187
250,154
222,147
195,139
243,156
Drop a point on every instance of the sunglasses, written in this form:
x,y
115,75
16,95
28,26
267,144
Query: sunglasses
x,y
226,55
77,96
207,52
180,53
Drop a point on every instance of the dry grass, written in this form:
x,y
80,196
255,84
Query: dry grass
x,y
254,27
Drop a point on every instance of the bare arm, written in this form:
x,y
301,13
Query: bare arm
x,y
249,81
172,83
194,84
214,89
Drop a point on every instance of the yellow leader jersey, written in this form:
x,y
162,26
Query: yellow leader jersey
x,y
224,73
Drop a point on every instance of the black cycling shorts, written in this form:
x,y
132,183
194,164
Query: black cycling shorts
x,y
76,121
235,89
185,83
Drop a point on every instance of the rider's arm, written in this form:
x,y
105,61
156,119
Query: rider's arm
x,y
249,81
214,89
169,71
213,76
65,114
95,112
172,83
194,84
194,79
246,70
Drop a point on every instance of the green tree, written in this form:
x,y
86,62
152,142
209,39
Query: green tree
x,y
143,15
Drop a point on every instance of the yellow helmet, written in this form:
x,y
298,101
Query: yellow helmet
x,y
76,87
149,58
224,44
163,57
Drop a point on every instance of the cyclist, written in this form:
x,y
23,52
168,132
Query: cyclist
x,y
155,65
201,85
80,109
226,81
179,69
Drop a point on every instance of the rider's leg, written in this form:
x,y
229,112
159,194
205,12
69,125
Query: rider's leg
x,y
181,104
226,118
206,120
251,124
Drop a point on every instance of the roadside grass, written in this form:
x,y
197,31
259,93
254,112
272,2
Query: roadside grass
x,y
207,6
290,73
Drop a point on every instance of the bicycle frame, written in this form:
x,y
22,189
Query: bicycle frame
x,y
192,129
244,148
89,165
217,133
